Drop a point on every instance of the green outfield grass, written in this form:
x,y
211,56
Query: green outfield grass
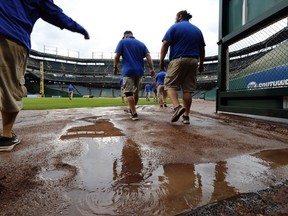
x,y
64,103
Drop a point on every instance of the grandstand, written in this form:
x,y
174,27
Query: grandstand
x,y
93,77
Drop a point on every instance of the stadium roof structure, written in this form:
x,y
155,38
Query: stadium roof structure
x,y
66,58
271,41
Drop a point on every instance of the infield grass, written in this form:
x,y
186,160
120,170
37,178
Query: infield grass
x,y
65,103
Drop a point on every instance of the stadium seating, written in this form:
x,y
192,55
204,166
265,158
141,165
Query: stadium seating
x,y
94,77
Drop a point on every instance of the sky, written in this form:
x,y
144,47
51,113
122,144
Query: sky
x,y
107,20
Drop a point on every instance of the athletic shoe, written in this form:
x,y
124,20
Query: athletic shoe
x,y
128,110
178,111
7,144
134,117
185,119
161,106
165,105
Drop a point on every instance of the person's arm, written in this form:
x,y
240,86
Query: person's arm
x,y
163,52
54,15
201,59
150,63
116,62
155,81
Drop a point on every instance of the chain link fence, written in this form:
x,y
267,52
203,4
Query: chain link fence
x,y
260,61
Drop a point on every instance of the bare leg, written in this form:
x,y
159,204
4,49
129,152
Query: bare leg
x,y
131,103
8,120
173,95
136,98
187,102
164,97
161,100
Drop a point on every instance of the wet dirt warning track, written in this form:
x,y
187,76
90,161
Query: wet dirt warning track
x,y
96,161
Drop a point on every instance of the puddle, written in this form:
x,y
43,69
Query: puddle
x,y
53,174
119,178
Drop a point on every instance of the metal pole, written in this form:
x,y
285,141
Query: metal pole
x,y
42,78
244,12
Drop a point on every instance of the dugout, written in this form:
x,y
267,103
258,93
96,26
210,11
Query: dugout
x,y
255,31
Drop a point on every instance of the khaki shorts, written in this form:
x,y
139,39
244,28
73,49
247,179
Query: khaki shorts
x,y
161,91
13,63
181,73
122,92
132,84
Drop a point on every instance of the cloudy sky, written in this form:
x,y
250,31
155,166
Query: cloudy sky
x,y
107,20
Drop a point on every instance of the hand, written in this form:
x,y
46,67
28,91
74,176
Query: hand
x,y
201,68
152,73
87,37
162,65
115,70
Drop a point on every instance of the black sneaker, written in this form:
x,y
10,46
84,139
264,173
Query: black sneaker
x,y
165,105
7,144
134,117
161,106
178,111
185,119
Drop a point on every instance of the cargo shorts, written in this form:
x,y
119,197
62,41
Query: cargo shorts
x,y
132,84
13,63
181,73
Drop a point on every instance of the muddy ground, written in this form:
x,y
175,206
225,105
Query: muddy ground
x,y
96,161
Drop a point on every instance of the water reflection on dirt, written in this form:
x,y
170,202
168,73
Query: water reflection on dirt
x,y
119,177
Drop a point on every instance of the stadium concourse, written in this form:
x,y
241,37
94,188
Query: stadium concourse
x,y
97,161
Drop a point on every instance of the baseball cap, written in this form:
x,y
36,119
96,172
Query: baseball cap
x,y
127,32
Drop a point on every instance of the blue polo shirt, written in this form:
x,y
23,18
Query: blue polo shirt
x,y
160,77
153,87
70,88
133,53
17,18
185,40
147,87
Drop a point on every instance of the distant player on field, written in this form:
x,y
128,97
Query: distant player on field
x,y
147,91
70,91
162,93
154,91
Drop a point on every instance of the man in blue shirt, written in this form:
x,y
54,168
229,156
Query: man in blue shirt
x,y
147,91
162,93
17,19
154,91
187,49
70,91
133,53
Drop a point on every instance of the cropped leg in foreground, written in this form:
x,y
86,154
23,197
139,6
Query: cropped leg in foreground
x,y
12,89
